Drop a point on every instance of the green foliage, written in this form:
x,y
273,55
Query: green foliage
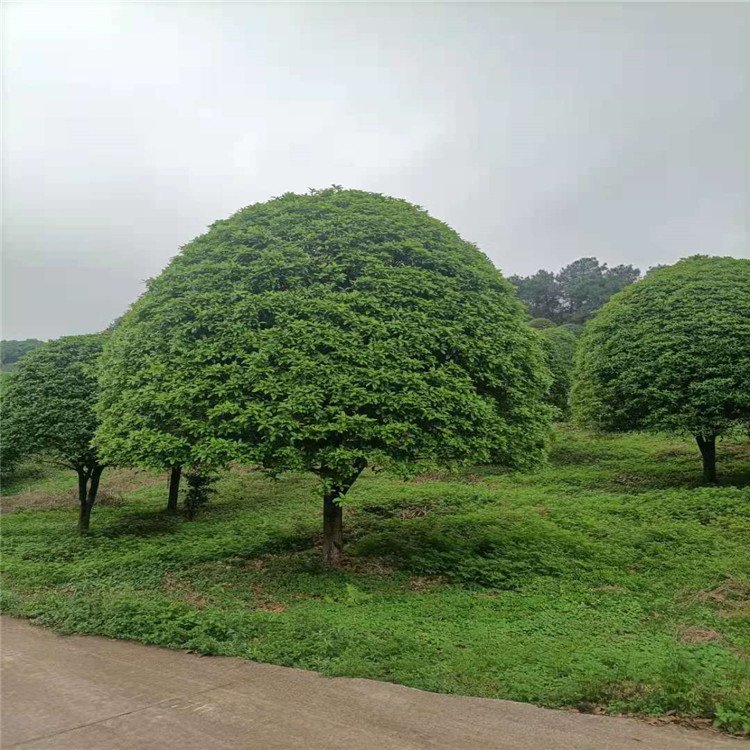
x,y
541,323
200,487
10,453
48,404
540,292
317,332
12,350
576,292
670,353
585,285
608,576
560,345
734,717
575,328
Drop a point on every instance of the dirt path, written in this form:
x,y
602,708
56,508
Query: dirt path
x,y
87,693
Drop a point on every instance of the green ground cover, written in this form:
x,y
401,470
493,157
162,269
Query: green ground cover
x,y
610,578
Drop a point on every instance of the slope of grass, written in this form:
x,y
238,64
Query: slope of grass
x,y
610,578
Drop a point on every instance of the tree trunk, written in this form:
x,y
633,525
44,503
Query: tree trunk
x,y
84,518
84,513
708,452
333,527
174,489
333,536
88,486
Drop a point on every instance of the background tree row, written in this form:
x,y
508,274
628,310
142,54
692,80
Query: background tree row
x,y
576,292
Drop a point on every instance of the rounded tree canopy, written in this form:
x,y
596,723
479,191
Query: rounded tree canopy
x,y
574,328
323,331
49,403
671,352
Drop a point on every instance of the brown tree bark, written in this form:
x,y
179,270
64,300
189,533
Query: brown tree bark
x,y
333,529
88,486
708,452
174,489
333,514
84,514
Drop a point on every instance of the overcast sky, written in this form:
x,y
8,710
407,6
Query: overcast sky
x,y
542,132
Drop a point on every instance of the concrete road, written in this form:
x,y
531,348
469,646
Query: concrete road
x,y
87,693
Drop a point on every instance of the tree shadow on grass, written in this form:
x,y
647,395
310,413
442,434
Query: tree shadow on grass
x,y
502,552
635,482
733,479
144,523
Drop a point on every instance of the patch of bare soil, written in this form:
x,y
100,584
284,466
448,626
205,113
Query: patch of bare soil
x,y
184,591
128,480
245,469
736,450
369,566
732,597
700,635
255,563
422,584
413,511
631,479
264,602
429,476
115,484
733,450
39,500
437,475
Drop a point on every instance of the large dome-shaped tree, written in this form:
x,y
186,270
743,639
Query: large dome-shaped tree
x,y
325,332
671,353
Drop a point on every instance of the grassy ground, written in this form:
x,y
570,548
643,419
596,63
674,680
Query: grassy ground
x,y
608,580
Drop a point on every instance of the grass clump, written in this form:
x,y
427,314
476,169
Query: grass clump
x,y
609,578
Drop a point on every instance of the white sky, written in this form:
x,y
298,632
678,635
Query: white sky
x,y
542,132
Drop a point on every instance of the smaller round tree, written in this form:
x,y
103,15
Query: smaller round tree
x,y
671,353
49,411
